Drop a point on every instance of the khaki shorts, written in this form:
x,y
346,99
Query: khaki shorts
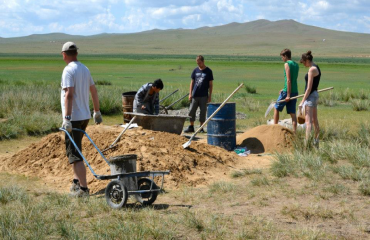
x,y
312,100
72,154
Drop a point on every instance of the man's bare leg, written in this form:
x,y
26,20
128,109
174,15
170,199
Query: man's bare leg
x,y
276,116
79,172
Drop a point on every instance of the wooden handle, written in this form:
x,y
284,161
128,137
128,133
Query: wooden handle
x,y
301,95
218,109
124,130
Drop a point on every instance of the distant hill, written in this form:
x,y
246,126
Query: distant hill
x,y
259,38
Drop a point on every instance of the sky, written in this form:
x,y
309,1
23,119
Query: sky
x,y
90,17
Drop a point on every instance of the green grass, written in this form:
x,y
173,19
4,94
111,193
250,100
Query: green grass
x,y
29,87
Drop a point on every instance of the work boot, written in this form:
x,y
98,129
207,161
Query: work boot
x,y
202,131
81,193
75,186
190,129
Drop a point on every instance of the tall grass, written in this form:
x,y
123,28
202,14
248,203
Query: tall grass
x,y
318,164
360,105
334,97
35,108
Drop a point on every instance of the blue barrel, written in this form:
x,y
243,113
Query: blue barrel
x,y
221,129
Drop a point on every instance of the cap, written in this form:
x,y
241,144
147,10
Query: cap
x,y
69,46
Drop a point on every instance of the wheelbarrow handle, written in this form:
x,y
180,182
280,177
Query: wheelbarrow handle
x,y
168,95
177,101
79,151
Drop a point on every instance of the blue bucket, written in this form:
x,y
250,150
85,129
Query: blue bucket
x,y
221,129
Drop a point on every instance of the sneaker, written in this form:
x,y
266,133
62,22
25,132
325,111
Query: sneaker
x,y
74,187
190,129
81,193
202,131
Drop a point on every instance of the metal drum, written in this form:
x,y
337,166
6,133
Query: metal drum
x,y
127,105
125,164
221,129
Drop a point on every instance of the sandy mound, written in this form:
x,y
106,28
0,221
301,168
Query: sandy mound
x,y
266,138
155,150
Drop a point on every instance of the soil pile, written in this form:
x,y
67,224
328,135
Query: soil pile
x,y
266,138
156,151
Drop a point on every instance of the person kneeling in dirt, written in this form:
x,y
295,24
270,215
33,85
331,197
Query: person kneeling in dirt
x,y
290,89
147,98
200,92
76,85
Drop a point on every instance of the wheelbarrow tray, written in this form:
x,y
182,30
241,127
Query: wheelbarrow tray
x,y
162,122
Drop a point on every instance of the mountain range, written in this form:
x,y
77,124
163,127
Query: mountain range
x,y
256,38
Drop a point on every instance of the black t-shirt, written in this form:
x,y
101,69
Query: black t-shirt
x,y
316,80
201,81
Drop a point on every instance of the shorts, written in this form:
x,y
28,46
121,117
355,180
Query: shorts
x,y
312,100
290,106
200,102
72,153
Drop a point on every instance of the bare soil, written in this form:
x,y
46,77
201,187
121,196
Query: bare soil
x,y
196,166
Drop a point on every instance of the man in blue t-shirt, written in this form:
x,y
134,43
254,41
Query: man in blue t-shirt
x,y
200,92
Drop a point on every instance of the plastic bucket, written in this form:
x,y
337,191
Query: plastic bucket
x,y
125,164
127,105
221,129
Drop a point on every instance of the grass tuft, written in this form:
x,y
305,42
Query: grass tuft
x,y
103,83
250,89
360,105
364,187
245,172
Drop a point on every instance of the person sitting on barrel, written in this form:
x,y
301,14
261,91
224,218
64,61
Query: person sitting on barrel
x,y
147,98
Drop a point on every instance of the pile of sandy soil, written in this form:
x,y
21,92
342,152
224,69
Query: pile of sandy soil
x,y
266,138
156,151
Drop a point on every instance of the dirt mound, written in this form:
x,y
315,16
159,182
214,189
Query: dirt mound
x,y
155,150
266,138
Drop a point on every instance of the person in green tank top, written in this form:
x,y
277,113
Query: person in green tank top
x,y
290,89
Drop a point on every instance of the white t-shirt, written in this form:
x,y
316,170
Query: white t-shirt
x,y
77,75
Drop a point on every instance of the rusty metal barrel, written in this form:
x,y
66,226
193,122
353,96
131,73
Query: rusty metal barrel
x,y
127,105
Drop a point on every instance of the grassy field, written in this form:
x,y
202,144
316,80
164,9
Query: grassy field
x,y
315,194
29,86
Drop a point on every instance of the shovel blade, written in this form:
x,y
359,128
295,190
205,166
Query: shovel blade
x,y
269,109
187,144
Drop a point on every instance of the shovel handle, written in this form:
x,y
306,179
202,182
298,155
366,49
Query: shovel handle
x,y
124,130
218,109
301,95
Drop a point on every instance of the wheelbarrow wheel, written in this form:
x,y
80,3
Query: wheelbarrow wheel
x,y
147,198
116,194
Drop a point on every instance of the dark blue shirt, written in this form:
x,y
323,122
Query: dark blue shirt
x,y
201,81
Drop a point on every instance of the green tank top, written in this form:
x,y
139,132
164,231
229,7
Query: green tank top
x,y
294,69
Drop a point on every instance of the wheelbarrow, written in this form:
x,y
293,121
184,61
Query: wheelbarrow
x,y
116,192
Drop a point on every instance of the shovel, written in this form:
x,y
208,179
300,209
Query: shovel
x,y
119,136
187,144
273,103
